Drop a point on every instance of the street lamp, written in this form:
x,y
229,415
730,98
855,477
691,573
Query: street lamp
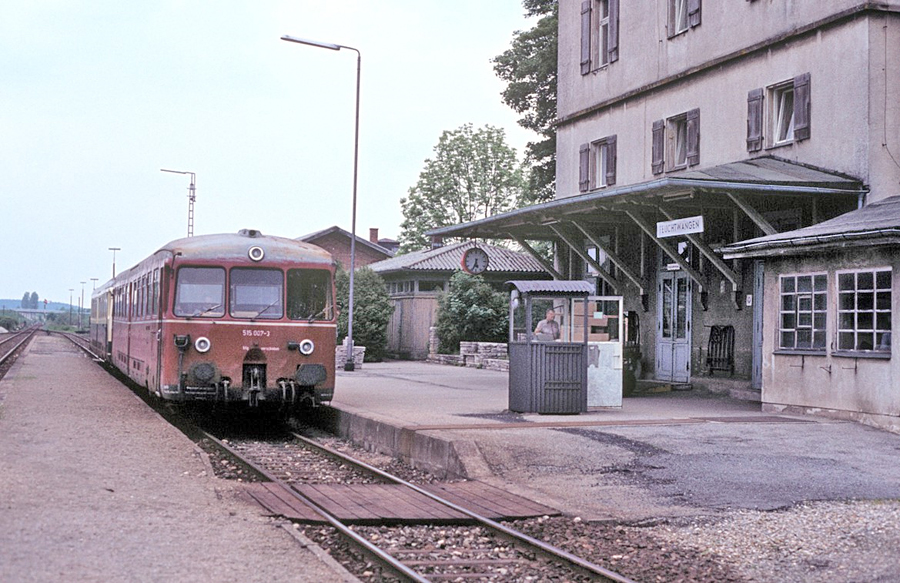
x,y
70,305
94,285
349,366
81,308
192,198
114,249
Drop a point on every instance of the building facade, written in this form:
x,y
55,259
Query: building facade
x,y
687,126
337,242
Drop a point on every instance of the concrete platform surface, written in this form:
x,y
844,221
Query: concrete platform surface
x,y
94,486
661,455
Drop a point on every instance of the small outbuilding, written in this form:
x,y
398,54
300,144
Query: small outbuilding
x,y
414,281
830,305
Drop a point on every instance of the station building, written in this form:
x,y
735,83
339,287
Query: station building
x,y
697,143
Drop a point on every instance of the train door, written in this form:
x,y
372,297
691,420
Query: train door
x,y
159,304
673,330
110,314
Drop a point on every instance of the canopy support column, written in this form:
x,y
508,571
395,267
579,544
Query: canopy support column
x,y
754,214
602,273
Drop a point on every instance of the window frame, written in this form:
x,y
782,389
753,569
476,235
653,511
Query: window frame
x,y
600,35
678,8
796,311
221,308
603,156
778,109
676,127
841,330
266,313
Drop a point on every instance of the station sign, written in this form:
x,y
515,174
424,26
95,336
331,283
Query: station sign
x,y
678,227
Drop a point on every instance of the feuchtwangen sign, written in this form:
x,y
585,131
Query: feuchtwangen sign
x,y
678,227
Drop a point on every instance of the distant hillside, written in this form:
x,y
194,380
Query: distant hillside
x,y
51,306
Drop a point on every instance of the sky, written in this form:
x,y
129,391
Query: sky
x,y
98,95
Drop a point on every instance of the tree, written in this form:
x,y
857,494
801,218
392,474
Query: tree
x,y
470,311
529,69
372,311
26,301
474,174
33,302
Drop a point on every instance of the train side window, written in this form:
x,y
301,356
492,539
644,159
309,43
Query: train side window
x,y
200,291
256,293
309,295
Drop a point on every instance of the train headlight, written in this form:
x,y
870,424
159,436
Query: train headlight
x,y
202,344
256,253
307,347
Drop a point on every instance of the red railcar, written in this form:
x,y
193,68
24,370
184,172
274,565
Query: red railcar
x,y
232,318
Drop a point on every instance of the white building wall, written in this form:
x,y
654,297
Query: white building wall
x,y
855,104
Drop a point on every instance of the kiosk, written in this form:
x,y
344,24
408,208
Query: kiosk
x,y
548,363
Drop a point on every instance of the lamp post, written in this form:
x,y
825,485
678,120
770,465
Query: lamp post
x,y
81,308
192,198
94,285
114,249
70,305
349,365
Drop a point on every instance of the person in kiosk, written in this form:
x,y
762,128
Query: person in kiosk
x,y
548,328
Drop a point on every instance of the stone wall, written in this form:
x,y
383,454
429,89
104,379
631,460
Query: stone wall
x,y
340,356
487,355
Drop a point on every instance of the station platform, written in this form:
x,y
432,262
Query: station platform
x,y
662,454
95,486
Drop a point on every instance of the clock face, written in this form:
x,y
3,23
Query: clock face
x,y
475,260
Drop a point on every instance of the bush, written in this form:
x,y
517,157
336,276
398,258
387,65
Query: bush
x,y
372,311
470,311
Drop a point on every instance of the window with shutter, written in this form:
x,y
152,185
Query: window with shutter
x,y
755,120
802,106
603,162
658,144
693,12
584,168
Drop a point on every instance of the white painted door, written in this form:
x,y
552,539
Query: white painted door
x,y
673,329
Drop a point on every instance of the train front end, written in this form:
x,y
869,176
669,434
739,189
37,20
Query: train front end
x,y
252,321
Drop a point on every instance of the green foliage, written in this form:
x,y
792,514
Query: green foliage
x,y
474,174
471,311
372,311
529,69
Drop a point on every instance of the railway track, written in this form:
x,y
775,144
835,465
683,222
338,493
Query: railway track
x,y
10,344
470,547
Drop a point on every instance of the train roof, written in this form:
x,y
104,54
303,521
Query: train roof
x,y
234,248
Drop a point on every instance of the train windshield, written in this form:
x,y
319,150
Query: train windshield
x,y
257,293
200,291
309,295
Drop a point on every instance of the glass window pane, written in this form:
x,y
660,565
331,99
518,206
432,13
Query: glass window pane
x,y
820,283
864,321
788,321
883,322
681,321
804,320
865,301
200,291
309,295
865,280
787,303
804,303
865,341
804,284
787,284
847,321
804,339
848,302
667,309
884,341
256,293
846,281
787,340
820,302
819,322
819,340
883,279
846,341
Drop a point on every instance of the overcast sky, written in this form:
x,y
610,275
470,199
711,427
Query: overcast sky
x,y
98,95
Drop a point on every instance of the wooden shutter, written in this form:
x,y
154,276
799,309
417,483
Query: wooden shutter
x,y
693,13
802,107
610,161
693,137
755,120
659,145
586,37
613,47
584,168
